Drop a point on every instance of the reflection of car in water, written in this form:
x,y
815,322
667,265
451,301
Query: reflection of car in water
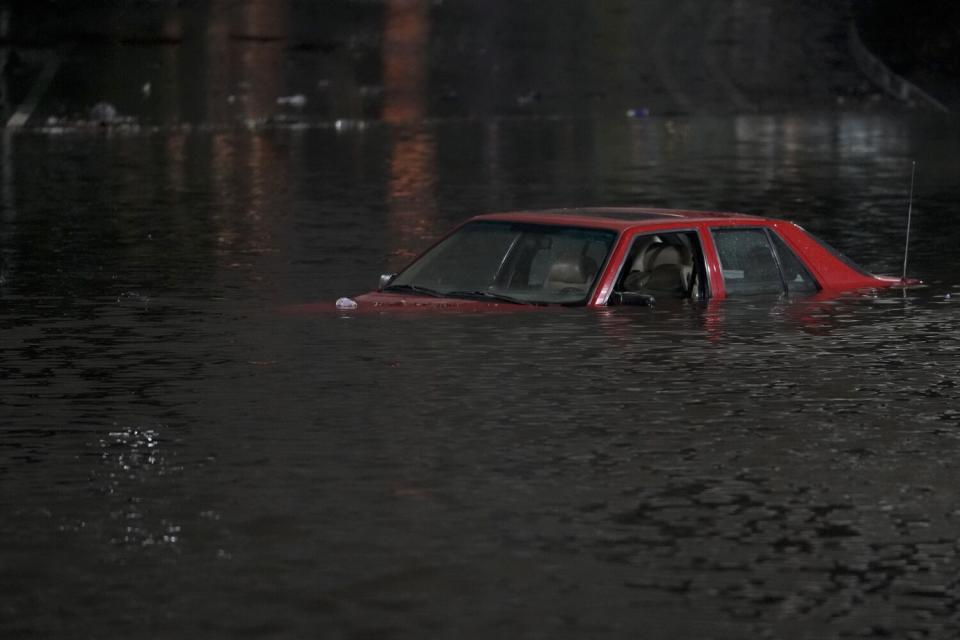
x,y
619,256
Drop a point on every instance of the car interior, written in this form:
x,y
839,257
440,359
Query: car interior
x,y
663,265
571,272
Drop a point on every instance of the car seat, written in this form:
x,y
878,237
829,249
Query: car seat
x,y
661,268
570,271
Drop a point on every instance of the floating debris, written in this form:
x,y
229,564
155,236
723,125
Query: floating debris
x,y
347,124
133,297
528,99
103,113
642,112
297,101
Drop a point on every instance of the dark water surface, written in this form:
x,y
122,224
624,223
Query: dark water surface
x,y
178,459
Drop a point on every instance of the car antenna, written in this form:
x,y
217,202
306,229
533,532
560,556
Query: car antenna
x,y
906,248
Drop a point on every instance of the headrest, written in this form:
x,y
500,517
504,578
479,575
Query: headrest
x,y
658,253
666,254
572,269
640,262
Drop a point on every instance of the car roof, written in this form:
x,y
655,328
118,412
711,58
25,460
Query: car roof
x,y
618,218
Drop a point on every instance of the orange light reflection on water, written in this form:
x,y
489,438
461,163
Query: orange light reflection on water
x,y
412,162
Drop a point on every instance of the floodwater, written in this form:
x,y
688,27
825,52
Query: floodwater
x,y
180,459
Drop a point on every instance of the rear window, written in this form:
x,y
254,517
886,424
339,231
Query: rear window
x,y
838,255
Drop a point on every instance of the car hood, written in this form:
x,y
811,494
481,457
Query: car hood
x,y
382,302
401,301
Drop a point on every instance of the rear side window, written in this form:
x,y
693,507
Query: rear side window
x,y
795,275
747,262
758,261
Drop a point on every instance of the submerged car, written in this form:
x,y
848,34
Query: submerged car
x,y
598,257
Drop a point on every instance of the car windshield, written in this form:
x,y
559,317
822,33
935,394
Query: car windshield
x,y
516,262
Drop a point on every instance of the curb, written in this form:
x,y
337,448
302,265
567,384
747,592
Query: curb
x,y
885,78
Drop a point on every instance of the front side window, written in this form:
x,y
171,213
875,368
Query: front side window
x,y
524,262
757,261
664,265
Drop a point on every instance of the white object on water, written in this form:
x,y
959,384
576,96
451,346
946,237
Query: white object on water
x,y
346,303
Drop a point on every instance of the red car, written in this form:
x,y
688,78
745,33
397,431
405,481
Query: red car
x,y
599,257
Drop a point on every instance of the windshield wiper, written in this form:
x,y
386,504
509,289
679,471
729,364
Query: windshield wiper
x,y
412,288
489,295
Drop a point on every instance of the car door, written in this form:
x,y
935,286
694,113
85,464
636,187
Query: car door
x,y
754,260
659,266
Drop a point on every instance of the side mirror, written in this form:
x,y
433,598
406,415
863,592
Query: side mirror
x,y
633,298
385,279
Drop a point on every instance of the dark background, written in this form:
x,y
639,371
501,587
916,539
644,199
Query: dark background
x,y
463,58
